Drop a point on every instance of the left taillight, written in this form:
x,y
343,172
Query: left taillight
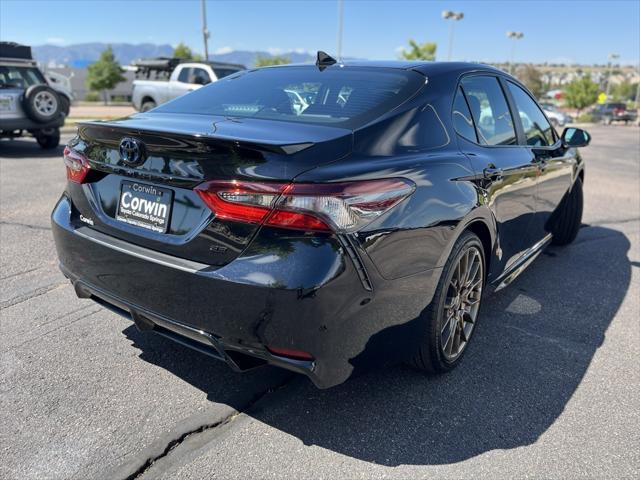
x,y
325,207
76,164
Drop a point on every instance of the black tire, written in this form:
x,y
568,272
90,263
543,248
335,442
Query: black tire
x,y
148,105
566,220
50,140
431,356
41,103
65,105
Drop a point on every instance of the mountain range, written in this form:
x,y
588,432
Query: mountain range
x,y
83,54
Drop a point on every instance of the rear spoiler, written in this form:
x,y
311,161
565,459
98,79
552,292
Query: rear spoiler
x,y
286,148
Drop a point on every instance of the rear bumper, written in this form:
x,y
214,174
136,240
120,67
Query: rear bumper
x,y
320,296
11,124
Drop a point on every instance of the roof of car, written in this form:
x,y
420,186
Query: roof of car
x,y
424,67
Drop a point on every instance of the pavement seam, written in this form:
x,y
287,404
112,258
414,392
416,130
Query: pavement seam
x,y
34,293
53,330
172,444
25,225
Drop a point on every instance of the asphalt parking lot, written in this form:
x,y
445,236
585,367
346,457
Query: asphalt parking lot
x,y
549,388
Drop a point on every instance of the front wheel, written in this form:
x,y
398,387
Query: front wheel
x,y
566,220
453,313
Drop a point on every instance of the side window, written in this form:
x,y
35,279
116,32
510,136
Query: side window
x,y
462,121
199,76
184,75
490,111
537,129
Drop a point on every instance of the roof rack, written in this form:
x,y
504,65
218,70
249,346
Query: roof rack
x,y
168,63
15,51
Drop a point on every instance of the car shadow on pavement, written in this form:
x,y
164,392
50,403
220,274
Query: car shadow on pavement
x,y
27,148
534,343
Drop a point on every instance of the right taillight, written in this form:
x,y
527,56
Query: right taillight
x,y
76,164
340,207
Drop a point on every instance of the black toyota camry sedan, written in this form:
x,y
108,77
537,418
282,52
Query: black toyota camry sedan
x,y
321,218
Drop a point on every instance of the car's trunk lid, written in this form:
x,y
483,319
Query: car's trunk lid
x,y
183,151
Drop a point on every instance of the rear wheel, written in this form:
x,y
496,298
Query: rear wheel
x,y
49,140
452,315
566,220
147,105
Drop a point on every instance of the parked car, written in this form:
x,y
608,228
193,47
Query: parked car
x,y
607,113
28,104
362,230
162,79
557,117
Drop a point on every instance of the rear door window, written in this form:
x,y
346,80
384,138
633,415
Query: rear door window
x,y
199,76
462,121
490,111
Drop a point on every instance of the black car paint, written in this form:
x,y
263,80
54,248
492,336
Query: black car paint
x,y
352,301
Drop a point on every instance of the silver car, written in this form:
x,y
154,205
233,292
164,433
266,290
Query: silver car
x,y
28,105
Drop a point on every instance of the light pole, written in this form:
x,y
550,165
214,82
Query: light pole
x,y
205,31
514,36
612,56
449,15
340,15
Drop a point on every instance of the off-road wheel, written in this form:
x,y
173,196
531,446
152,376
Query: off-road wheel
x,y
49,139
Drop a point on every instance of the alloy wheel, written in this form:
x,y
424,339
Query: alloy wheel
x,y
462,303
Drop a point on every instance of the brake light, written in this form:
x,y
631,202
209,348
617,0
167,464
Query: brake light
x,y
76,164
340,207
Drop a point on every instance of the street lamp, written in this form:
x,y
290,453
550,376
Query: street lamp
x,y
340,16
449,15
514,36
205,31
612,56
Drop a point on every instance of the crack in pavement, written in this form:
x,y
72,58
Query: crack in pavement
x,y
147,458
17,274
34,293
612,222
24,225
53,330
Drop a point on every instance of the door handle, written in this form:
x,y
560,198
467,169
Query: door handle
x,y
492,173
542,164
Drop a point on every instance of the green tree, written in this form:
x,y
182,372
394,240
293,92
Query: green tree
x,y
420,51
624,90
532,78
581,93
182,51
262,61
104,74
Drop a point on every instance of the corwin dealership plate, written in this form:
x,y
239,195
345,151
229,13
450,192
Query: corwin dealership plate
x,y
145,206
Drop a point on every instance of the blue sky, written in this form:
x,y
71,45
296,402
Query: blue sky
x,y
578,31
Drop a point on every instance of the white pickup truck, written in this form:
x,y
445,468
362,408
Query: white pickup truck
x,y
163,79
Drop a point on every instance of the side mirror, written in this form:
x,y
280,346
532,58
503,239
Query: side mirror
x,y
575,137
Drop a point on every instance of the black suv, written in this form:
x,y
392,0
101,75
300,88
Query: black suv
x,y
608,113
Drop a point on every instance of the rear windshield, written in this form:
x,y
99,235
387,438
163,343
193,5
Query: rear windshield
x,y
346,97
